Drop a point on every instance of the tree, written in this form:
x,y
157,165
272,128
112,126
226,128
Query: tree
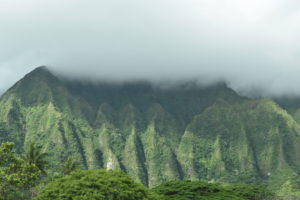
x,y
193,190
70,166
95,185
251,192
16,175
34,155
198,190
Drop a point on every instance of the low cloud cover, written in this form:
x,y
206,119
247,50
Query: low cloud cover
x,y
252,45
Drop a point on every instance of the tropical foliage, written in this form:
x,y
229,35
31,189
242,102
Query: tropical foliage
x,y
21,179
193,190
197,190
35,156
17,176
95,185
70,165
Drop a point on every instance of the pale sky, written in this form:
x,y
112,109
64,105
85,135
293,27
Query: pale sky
x,y
250,44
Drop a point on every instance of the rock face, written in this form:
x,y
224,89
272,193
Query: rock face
x,y
154,134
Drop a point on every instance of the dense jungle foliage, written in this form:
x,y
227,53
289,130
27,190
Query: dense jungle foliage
x,y
153,134
25,177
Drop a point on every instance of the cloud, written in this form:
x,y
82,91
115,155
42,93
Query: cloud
x,y
250,44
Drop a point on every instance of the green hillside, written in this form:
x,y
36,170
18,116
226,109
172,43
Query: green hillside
x,y
154,134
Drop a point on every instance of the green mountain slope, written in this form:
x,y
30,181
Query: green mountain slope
x,y
154,134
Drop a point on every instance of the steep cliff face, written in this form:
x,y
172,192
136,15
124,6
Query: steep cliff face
x,y
154,134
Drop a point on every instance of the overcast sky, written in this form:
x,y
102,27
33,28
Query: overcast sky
x,y
250,44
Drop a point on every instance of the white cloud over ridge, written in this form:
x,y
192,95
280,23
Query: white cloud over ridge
x,y
250,44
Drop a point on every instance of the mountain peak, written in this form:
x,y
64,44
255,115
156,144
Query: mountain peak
x,y
41,68
35,86
40,72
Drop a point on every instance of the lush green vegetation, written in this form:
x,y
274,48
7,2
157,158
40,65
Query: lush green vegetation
x,y
35,156
96,185
114,185
21,178
154,135
251,192
17,176
197,190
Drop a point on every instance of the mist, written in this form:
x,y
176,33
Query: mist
x,y
251,45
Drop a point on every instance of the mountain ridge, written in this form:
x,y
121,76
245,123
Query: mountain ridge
x,y
154,134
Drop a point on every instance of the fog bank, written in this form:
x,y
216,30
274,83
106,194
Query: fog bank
x,y
252,45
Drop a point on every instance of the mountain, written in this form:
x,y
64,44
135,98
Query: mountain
x,y
156,134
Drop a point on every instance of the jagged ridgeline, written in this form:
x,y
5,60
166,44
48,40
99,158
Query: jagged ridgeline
x,y
155,134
